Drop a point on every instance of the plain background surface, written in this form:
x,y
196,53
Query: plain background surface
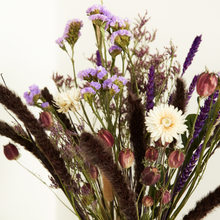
x,y
29,55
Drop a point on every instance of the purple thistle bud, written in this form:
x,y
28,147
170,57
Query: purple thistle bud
x,y
192,53
188,170
191,88
98,59
150,90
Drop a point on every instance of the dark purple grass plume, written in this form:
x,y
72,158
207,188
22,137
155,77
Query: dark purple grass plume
x,y
204,206
192,52
97,153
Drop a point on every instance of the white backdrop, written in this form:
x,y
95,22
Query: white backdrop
x,y
29,55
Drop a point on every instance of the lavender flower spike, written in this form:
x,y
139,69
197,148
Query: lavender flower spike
x,y
150,90
98,59
186,173
191,53
191,88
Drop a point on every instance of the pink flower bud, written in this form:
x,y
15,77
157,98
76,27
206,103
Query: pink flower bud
x,y
164,196
147,201
176,159
126,158
150,176
93,172
206,84
11,152
151,154
46,119
107,137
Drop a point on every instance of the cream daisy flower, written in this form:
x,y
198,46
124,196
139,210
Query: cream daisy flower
x,y
68,100
165,122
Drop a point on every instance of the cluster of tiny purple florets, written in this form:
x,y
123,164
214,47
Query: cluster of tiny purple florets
x,y
34,92
71,33
115,25
97,79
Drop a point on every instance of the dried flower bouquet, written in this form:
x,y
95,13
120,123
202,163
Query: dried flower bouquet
x,y
144,157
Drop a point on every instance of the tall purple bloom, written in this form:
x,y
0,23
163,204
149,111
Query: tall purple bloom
x,y
98,59
150,90
192,53
188,170
191,88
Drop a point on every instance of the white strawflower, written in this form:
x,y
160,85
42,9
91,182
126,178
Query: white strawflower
x,y
165,122
68,100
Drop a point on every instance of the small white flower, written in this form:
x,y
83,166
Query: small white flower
x,y
68,100
165,122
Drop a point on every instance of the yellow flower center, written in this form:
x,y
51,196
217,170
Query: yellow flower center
x,y
166,122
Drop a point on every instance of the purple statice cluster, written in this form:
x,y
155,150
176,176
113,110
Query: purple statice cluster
x,y
117,27
97,79
114,51
32,96
89,74
71,33
192,52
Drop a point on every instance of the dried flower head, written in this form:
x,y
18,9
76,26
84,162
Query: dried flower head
x,y
165,122
68,100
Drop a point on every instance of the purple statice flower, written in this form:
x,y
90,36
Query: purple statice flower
x,y
59,41
113,48
45,105
101,72
115,87
150,90
192,52
98,59
191,88
108,82
188,170
29,96
71,32
98,9
95,9
123,80
86,73
120,33
98,19
96,85
88,90
117,23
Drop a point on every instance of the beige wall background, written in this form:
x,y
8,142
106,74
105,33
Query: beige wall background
x,y
29,55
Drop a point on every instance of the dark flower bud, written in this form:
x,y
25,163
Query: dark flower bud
x,y
126,158
158,143
46,119
206,84
150,176
176,159
151,154
163,195
11,152
147,201
93,172
107,137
